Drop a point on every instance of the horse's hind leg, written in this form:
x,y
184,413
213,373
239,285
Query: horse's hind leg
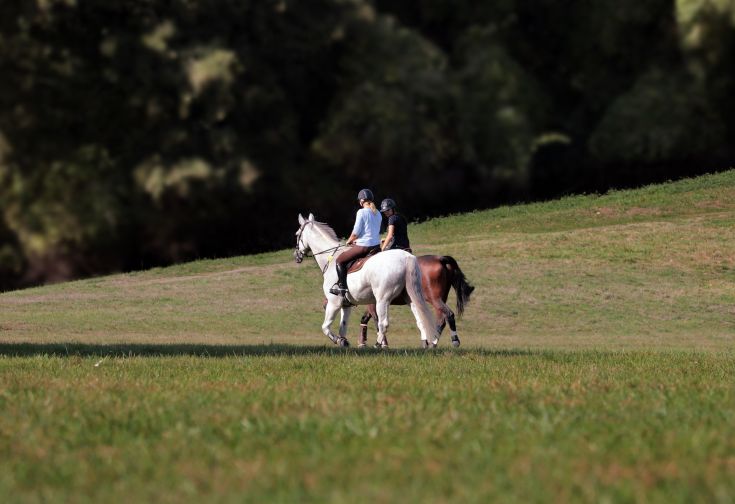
x,y
445,314
453,329
440,315
381,310
424,338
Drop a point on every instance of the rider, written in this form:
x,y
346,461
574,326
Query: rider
x,y
365,235
397,237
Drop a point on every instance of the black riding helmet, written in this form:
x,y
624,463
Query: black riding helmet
x,y
387,204
365,194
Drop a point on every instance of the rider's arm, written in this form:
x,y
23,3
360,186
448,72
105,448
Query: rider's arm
x,y
388,237
356,228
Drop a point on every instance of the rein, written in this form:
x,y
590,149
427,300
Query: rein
x,y
326,266
300,255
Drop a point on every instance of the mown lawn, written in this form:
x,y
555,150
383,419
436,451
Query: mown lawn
x,y
308,424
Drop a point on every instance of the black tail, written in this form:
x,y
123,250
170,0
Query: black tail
x,y
462,287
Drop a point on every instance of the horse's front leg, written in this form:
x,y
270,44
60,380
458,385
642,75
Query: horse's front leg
x,y
330,313
362,341
344,319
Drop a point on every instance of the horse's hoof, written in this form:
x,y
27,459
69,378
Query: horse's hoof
x,y
455,342
424,344
381,343
343,342
361,345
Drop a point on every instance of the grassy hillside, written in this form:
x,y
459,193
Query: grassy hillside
x,y
650,268
597,365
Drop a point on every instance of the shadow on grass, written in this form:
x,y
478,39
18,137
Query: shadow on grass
x,y
141,350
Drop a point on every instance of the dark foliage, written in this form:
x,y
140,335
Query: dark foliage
x,y
136,133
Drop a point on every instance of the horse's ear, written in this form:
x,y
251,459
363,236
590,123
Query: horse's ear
x,y
301,220
311,216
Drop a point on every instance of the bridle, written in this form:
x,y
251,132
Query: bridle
x,y
299,256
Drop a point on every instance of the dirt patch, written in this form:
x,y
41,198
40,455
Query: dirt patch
x,y
717,204
630,212
46,298
606,212
640,211
10,327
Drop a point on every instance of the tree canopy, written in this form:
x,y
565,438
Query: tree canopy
x,y
136,133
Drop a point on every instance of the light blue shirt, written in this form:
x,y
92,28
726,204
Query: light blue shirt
x,y
367,227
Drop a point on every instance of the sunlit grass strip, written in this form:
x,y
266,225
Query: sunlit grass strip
x,y
297,424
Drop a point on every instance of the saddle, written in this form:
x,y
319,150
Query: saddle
x,y
358,263
351,267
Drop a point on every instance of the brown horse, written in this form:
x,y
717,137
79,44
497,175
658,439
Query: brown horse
x,y
439,274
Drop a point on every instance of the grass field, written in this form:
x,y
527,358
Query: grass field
x,y
597,365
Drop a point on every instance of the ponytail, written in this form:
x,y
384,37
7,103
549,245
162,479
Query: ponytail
x,y
372,206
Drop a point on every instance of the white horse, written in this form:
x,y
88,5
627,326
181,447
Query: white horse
x,y
383,278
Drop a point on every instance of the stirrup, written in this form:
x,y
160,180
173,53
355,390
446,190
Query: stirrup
x,y
338,291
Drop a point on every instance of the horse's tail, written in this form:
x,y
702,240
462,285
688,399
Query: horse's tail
x,y
462,288
415,292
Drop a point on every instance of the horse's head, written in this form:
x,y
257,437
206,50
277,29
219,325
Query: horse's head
x,y
302,245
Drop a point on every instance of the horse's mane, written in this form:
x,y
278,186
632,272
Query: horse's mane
x,y
325,230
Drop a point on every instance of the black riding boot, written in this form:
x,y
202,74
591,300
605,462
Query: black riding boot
x,y
341,288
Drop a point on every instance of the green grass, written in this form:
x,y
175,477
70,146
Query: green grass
x,y
324,425
597,365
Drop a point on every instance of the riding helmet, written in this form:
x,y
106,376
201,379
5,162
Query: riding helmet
x,y
387,204
365,194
